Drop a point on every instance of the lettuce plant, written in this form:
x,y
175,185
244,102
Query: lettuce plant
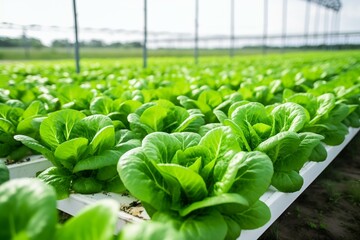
x,y
262,91
15,118
94,222
207,101
28,212
149,230
326,115
72,96
205,186
84,152
351,97
4,172
164,116
274,131
118,109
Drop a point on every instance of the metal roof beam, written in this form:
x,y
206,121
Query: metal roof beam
x,y
331,4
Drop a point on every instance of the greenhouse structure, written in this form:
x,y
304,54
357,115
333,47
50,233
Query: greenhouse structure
x,y
169,134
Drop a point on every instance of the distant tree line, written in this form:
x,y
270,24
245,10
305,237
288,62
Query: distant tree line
x,y
20,42
94,43
60,43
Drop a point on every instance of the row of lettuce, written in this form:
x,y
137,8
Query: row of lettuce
x,y
197,146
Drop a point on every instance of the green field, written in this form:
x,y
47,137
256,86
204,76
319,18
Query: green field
x,y
160,56
68,53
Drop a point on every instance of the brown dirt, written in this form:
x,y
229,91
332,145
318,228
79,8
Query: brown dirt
x,y
134,208
63,217
330,207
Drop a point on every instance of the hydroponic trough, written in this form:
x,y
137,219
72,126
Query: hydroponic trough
x,y
29,168
277,201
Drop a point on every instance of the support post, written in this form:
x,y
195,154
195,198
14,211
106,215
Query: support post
x,y
145,36
196,49
326,27
264,50
338,16
307,21
316,22
232,28
334,28
76,45
284,25
25,43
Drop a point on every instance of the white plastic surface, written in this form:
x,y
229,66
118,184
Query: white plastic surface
x,y
29,168
278,202
76,202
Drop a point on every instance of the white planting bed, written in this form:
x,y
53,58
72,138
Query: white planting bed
x,y
278,202
28,168
76,202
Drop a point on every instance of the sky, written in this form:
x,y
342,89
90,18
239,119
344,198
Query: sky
x,y
166,15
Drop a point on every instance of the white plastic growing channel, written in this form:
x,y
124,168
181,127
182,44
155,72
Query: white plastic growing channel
x,y
29,168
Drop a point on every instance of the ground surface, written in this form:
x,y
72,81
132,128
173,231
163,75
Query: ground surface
x,y
330,207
